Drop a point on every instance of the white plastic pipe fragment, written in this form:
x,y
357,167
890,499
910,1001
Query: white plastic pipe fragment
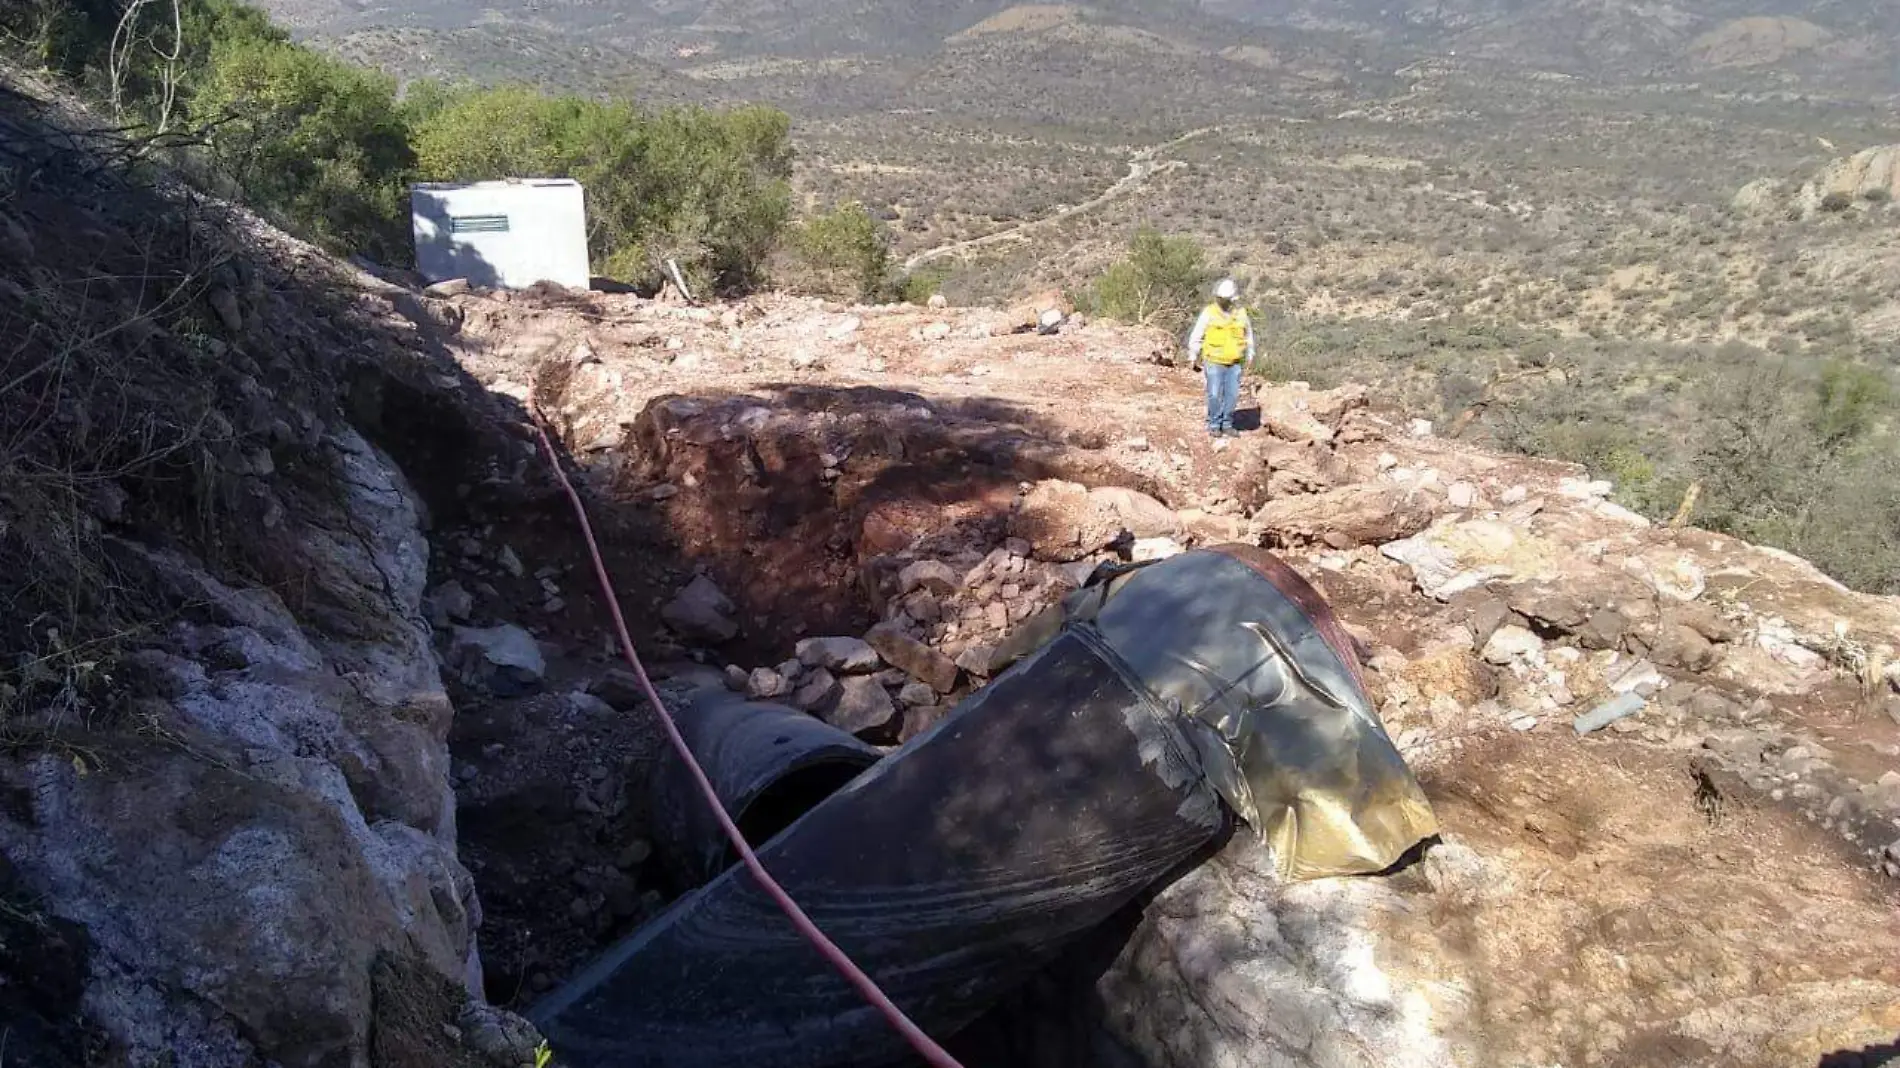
x,y
1609,712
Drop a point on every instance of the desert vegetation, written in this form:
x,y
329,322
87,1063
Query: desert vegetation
x,y
329,148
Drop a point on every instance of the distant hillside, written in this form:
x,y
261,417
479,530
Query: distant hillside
x,y
1764,44
1840,41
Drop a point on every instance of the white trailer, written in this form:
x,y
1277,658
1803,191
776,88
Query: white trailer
x,y
505,234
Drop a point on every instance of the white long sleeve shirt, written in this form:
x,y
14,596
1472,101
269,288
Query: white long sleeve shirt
x,y
1200,331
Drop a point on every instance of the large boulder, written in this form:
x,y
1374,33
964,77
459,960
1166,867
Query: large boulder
x,y
1230,968
1297,413
1066,521
1137,513
1061,522
1367,514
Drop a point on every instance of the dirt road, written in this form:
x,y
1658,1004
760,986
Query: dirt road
x,y
1142,166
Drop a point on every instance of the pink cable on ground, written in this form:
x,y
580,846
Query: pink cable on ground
x,y
925,1046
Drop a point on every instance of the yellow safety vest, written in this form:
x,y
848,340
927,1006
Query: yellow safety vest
x,y
1224,341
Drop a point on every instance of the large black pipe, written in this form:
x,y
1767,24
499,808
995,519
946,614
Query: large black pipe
x,y
960,865
768,763
951,871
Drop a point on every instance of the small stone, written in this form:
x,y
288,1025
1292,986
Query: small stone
x,y
449,287
848,656
506,659
554,606
818,692
1639,676
791,669
635,854
585,705
862,705
1018,547
976,660
933,575
510,562
1461,495
1511,643
1524,723
765,683
1514,495
917,694
937,301
936,331
996,614
579,909
701,612
1387,461
1146,549
922,606
737,678
450,602
916,659
1132,445
1487,618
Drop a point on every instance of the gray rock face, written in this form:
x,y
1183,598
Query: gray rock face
x,y
238,888
701,612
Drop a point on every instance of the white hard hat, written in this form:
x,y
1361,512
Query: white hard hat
x,y
1226,290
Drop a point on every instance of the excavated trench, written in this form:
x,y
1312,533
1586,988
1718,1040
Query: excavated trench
x,y
798,506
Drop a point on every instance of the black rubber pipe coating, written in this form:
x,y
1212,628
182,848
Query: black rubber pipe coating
x,y
769,764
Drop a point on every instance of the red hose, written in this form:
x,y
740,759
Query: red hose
x,y
925,1046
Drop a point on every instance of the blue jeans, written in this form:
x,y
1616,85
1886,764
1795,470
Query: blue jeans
x,y
1223,392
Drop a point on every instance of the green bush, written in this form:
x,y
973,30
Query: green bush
x,y
843,252
326,147
925,282
321,143
706,188
1161,282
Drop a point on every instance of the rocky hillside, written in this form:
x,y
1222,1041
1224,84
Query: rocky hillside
x,y
928,479
334,754
227,834
1868,181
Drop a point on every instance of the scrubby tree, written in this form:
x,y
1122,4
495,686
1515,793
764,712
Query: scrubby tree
x,y
706,188
321,142
1159,283
843,252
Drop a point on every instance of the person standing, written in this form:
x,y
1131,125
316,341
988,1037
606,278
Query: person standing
x,y
1221,346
